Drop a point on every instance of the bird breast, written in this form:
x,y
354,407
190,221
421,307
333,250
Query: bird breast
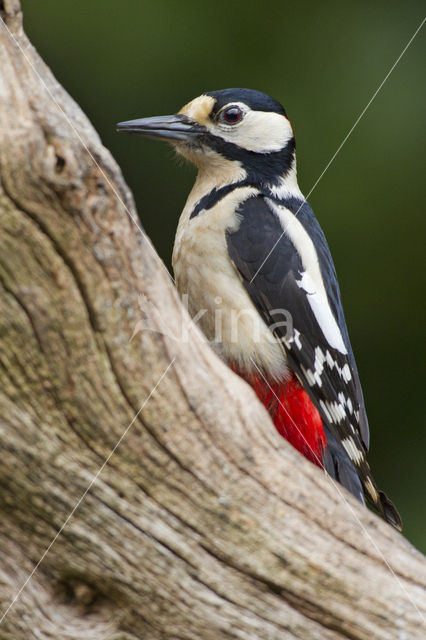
x,y
210,286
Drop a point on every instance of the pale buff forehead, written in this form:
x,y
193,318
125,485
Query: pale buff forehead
x,y
199,109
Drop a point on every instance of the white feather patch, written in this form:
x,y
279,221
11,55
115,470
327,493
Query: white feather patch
x,y
318,302
326,411
311,281
259,131
352,450
287,187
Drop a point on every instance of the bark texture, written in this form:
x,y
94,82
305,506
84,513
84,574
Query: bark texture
x,y
204,523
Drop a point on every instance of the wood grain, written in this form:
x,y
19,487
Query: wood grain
x,y
203,523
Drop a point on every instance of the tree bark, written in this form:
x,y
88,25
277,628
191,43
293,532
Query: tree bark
x,y
203,523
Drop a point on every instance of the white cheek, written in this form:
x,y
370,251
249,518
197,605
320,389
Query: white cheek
x,y
260,131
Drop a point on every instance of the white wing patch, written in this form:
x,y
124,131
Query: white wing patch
x,y
345,372
311,281
312,381
318,302
297,339
314,376
352,450
294,338
326,411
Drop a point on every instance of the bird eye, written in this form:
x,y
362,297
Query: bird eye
x,y
231,115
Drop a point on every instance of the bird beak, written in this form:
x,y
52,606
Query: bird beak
x,y
176,127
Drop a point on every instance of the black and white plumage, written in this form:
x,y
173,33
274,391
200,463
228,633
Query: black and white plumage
x,y
248,243
318,349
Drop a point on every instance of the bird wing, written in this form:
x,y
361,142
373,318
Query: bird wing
x,y
308,321
294,279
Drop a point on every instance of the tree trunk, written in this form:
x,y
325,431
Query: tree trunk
x,y
203,523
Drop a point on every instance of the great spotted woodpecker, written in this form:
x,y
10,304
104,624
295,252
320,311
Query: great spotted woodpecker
x,y
249,246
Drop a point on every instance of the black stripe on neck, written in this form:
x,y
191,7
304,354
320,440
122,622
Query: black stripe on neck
x,y
260,167
210,199
294,203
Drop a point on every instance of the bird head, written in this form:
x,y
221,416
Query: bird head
x,y
229,126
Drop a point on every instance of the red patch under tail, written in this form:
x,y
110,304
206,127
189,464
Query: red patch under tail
x,y
293,413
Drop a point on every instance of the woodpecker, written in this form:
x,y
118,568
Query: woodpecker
x,y
250,251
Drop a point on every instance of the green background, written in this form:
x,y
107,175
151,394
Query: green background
x,y
323,61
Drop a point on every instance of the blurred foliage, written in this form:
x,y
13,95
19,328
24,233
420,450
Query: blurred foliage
x,y
323,61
